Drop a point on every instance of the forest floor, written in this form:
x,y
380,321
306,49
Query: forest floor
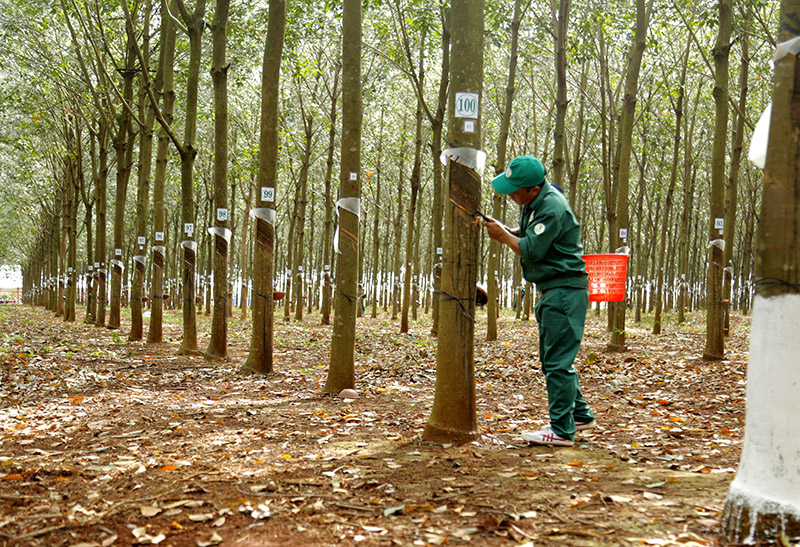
x,y
108,442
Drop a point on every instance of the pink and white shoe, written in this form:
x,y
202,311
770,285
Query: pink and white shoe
x,y
583,426
545,436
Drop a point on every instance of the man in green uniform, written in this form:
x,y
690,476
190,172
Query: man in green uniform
x,y
548,242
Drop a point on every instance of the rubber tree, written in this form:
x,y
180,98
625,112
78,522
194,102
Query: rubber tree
x,y
715,316
453,415
259,359
218,344
677,106
763,502
732,190
123,148
147,120
195,24
333,92
495,251
341,370
622,160
166,90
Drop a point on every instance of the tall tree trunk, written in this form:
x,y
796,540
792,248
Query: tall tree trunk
x,y
732,192
89,201
673,177
376,218
100,224
689,173
437,127
495,251
412,231
623,157
302,204
123,148
259,359
165,85
218,344
71,181
194,26
715,317
559,148
453,415
248,200
341,373
573,189
763,503
326,241
147,115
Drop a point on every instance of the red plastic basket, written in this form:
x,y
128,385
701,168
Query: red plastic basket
x,y
607,275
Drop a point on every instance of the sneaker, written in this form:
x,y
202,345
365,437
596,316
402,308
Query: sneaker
x,y
583,426
545,436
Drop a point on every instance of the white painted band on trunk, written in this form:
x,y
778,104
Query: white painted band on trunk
x,y
769,468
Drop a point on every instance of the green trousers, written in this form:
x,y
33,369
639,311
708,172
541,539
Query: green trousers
x,y
561,314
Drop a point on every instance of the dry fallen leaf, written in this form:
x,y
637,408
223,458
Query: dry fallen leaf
x,y
149,510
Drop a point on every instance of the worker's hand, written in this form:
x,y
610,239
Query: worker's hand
x,y
496,229
502,233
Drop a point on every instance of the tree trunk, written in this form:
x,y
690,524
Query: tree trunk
x,y
732,192
341,373
89,201
259,359
326,241
123,147
715,317
300,219
623,159
763,503
437,126
412,231
166,87
495,249
218,344
688,201
453,415
100,224
244,270
194,27
673,177
376,240
559,148
147,115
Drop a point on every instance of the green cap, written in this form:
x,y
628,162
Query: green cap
x,y
522,172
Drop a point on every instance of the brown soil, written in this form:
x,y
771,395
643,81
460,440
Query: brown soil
x,y
106,442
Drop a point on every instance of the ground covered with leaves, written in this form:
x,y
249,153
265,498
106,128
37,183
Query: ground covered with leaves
x,y
105,442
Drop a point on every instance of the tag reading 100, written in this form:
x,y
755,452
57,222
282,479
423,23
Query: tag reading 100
x,y
466,105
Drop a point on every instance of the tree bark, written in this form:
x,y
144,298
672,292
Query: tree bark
x,y
495,249
559,148
763,503
326,242
194,26
623,158
453,415
732,191
147,115
218,344
123,148
341,372
259,359
715,317
673,177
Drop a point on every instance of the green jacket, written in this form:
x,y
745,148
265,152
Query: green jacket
x,y
550,244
